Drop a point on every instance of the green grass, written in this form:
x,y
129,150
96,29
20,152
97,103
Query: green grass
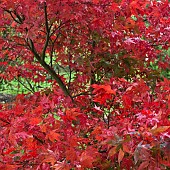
x,y
15,87
24,86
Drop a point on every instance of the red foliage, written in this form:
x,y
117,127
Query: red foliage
x,y
112,110
76,137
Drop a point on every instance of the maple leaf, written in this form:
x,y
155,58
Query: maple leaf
x,y
129,41
71,154
106,88
143,165
38,110
97,108
30,144
127,100
50,159
160,129
43,128
165,162
115,6
35,120
72,114
120,156
53,136
61,166
86,160
112,151
146,112
19,109
126,148
22,135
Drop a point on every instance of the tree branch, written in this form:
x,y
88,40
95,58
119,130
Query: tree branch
x,y
83,93
23,84
11,14
49,69
47,32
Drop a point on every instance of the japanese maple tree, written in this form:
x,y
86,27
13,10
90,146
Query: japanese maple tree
x,y
106,107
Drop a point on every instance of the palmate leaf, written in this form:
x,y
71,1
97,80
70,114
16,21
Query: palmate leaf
x,y
143,165
35,121
161,129
53,136
50,159
120,156
112,151
86,160
106,88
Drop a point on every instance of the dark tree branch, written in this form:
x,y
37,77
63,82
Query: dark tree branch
x,y
24,85
82,94
41,58
52,50
5,121
70,72
20,18
38,139
30,85
49,69
13,17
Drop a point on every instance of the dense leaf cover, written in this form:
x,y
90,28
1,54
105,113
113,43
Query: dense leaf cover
x,y
106,108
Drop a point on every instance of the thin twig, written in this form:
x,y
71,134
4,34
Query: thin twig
x,y
47,32
23,84
70,72
83,93
30,85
